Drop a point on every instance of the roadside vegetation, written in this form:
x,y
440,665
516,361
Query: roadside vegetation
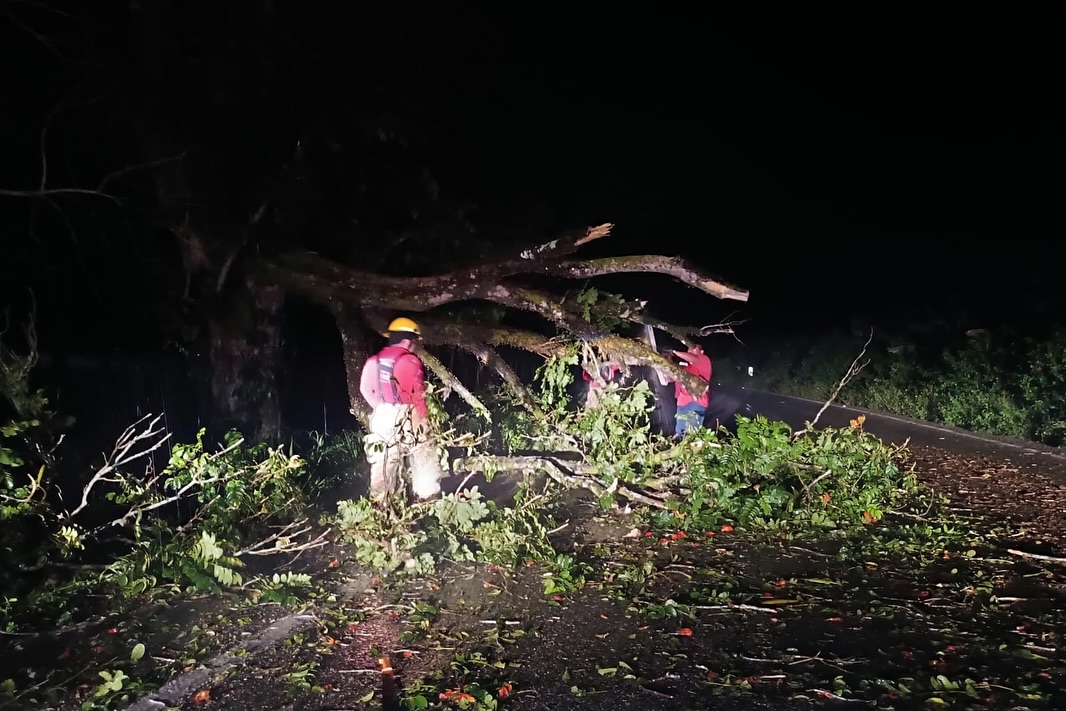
x,y
1001,382
747,563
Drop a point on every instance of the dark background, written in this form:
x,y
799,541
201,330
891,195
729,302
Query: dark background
x,y
894,168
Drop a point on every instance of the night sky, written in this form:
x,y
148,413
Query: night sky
x,y
898,167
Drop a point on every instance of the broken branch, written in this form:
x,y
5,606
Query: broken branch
x,y
123,454
853,370
648,264
1037,556
451,381
281,541
323,279
490,358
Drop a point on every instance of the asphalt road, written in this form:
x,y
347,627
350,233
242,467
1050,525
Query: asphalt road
x,y
896,429
794,411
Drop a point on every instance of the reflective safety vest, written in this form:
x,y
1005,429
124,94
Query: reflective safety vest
x,y
388,385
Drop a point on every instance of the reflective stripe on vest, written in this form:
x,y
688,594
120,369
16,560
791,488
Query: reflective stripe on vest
x,y
387,381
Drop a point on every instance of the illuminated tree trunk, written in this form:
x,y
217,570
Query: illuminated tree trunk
x,y
240,319
245,350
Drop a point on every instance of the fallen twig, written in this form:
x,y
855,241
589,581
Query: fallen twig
x,y
835,697
59,631
743,608
358,671
640,498
1037,556
810,551
283,545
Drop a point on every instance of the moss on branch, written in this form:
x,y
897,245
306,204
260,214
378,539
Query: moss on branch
x,y
364,300
648,264
322,279
632,352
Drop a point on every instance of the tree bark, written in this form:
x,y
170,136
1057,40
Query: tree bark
x,y
241,315
356,349
674,267
245,350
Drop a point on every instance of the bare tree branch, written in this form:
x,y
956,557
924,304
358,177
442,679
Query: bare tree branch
x,y
58,191
44,41
132,444
281,542
131,168
180,493
647,264
853,370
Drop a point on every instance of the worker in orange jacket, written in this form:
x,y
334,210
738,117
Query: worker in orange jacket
x,y
393,384
691,410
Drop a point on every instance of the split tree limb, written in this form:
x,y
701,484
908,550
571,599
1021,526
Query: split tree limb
x,y
491,359
449,380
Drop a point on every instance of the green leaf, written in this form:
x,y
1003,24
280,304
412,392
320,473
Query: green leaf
x,y
137,654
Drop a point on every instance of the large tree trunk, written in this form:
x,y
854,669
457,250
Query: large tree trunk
x,y
245,351
241,318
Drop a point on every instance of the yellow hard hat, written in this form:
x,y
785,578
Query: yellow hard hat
x,y
404,325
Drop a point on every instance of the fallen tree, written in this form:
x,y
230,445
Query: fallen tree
x,y
363,302
767,477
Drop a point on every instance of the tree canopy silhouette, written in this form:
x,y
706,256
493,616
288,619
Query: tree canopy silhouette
x,y
244,155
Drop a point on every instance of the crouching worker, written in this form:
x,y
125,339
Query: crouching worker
x,y
393,383
691,410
